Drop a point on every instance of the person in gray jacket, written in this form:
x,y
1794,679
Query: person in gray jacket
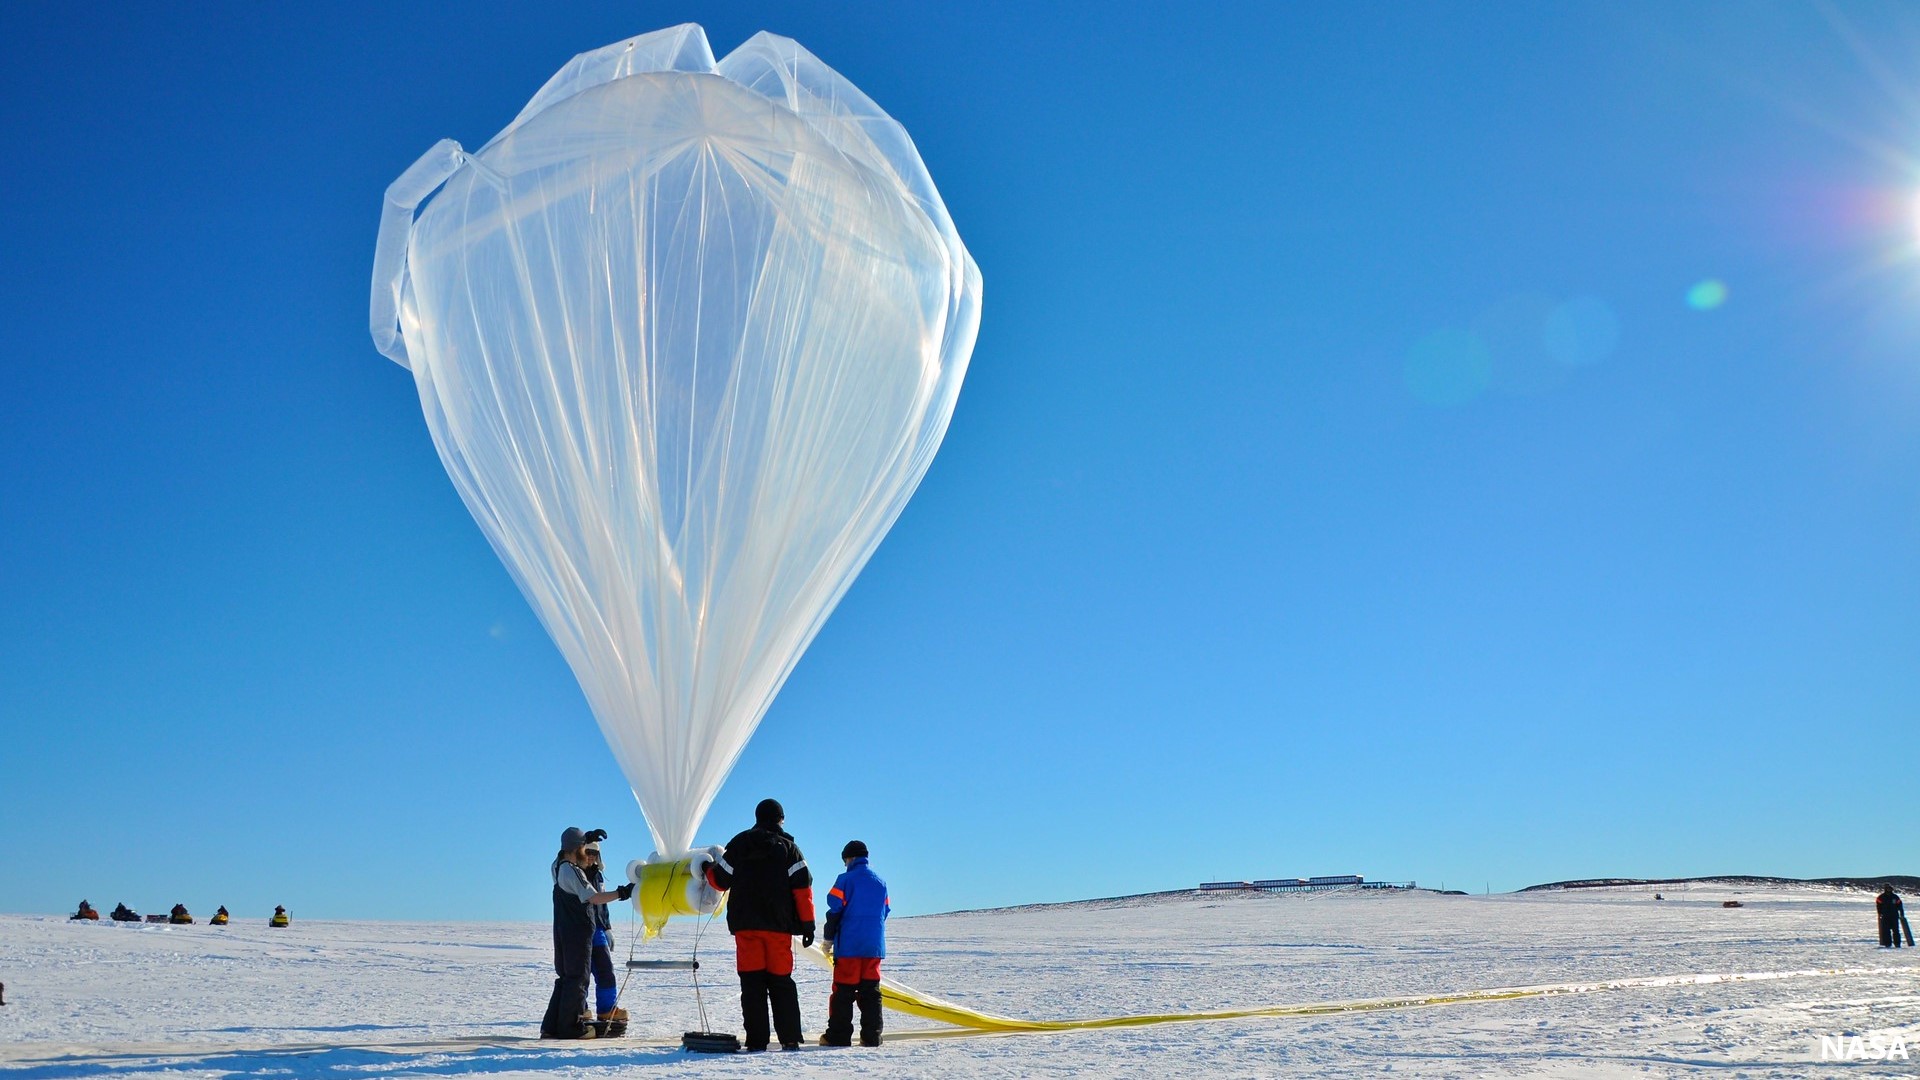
x,y
573,926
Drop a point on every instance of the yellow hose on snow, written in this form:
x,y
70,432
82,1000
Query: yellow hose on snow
x,y
915,1003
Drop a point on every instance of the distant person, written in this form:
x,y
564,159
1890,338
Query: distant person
x,y
573,927
606,986
219,917
86,912
856,936
770,902
179,916
280,917
123,913
1893,918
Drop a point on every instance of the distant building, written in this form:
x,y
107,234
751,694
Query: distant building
x,y
1325,881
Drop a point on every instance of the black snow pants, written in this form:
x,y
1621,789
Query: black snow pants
x,y
1890,932
758,989
569,1000
866,994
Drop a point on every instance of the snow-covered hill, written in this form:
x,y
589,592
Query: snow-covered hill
x,y
327,999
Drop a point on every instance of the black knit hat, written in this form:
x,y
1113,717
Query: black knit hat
x,y
855,849
769,813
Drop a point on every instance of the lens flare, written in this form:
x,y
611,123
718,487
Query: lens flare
x,y
1707,295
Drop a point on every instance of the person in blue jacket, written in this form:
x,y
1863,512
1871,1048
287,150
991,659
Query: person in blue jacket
x,y
856,937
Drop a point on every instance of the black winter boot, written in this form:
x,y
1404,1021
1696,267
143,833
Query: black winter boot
x,y
753,1008
868,993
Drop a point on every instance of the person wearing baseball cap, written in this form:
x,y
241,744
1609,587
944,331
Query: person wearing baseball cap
x,y
573,926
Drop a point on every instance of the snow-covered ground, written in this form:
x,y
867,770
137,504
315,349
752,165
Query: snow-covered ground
x,y
409,999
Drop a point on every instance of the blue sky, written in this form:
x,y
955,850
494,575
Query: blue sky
x,y
1269,538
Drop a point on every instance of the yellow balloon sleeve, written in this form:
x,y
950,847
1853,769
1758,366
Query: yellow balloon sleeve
x,y
666,889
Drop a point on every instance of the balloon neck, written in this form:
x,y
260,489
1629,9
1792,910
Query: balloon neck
x,y
669,885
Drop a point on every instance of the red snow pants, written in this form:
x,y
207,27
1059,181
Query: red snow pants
x,y
848,970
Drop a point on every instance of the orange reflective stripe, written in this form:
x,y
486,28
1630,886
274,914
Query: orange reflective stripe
x,y
836,892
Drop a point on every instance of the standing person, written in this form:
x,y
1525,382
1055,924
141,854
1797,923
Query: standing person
x,y
772,900
573,925
1893,915
606,988
856,936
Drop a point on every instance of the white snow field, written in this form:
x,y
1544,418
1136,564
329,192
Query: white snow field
x,y
359,999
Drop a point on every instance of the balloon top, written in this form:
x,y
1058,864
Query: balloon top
x,y
774,67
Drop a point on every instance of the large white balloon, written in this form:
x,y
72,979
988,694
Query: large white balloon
x,y
687,335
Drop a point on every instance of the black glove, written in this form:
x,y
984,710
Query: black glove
x,y
624,892
806,935
594,836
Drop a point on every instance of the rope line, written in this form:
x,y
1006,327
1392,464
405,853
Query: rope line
x,y
698,1000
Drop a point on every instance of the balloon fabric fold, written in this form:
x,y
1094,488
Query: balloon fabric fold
x,y
687,335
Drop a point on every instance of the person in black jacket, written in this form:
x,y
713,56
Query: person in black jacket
x,y
1892,913
573,926
771,900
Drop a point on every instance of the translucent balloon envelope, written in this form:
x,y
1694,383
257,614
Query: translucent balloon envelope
x,y
687,335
